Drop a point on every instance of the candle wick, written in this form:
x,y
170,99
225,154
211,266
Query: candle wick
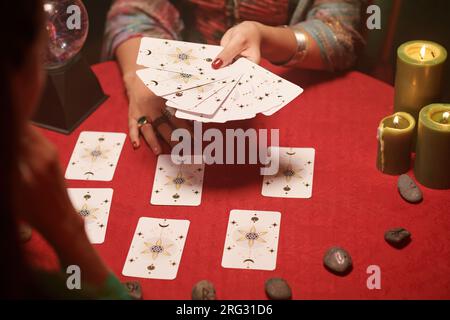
x,y
432,53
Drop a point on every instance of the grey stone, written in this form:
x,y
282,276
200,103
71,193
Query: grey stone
x,y
408,189
203,290
134,289
338,260
397,237
25,232
278,289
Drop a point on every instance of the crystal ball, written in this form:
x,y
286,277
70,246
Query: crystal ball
x,y
67,25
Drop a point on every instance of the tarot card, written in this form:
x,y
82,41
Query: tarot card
x,y
257,91
177,184
95,156
178,56
162,82
93,205
206,108
156,248
294,178
190,99
251,241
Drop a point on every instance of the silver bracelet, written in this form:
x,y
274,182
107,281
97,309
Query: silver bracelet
x,y
302,46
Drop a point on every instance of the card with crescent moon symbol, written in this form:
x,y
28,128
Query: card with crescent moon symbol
x,y
156,248
182,73
294,178
177,184
251,240
178,56
162,82
93,205
95,156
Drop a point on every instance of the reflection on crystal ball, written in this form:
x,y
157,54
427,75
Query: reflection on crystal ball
x,y
67,26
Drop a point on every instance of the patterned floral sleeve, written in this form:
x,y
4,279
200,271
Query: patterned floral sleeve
x,y
136,18
334,25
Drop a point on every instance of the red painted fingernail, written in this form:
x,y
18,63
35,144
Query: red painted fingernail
x,y
216,64
134,144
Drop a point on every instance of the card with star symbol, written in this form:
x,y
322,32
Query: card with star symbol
x,y
95,156
156,248
294,178
178,56
251,240
256,91
181,73
177,184
93,205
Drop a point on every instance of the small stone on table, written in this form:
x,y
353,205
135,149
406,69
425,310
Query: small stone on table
x,y
397,237
408,189
338,260
278,289
203,290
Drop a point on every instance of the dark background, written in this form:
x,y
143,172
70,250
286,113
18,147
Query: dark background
x,y
402,20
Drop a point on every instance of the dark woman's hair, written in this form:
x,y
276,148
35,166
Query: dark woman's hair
x,y
20,27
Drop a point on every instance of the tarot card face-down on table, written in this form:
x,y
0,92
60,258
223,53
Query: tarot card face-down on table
x,y
95,156
251,241
294,178
93,205
156,248
177,184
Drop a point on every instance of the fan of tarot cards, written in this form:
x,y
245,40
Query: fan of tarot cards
x,y
181,73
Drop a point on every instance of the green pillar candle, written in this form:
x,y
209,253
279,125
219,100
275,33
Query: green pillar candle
x,y
418,76
395,135
432,165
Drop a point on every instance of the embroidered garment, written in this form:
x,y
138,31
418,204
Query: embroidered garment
x,y
333,24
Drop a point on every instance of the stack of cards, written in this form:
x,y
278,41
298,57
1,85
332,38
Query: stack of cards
x,y
181,73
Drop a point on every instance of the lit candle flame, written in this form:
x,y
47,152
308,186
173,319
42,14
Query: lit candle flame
x,y
445,116
423,52
396,120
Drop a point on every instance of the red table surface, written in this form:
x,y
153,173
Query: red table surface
x,y
352,204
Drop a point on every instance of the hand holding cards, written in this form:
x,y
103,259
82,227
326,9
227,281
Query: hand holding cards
x,y
181,73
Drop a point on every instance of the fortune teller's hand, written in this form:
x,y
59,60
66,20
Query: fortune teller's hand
x,y
242,40
51,214
147,116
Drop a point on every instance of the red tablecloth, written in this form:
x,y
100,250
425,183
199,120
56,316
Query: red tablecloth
x,y
352,204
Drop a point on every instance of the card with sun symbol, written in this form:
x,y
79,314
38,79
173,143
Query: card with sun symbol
x,y
177,184
95,156
251,241
93,205
294,178
177,56
156,248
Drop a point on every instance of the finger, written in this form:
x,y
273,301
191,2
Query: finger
x,y
234,47
165,131
133,133
150,137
